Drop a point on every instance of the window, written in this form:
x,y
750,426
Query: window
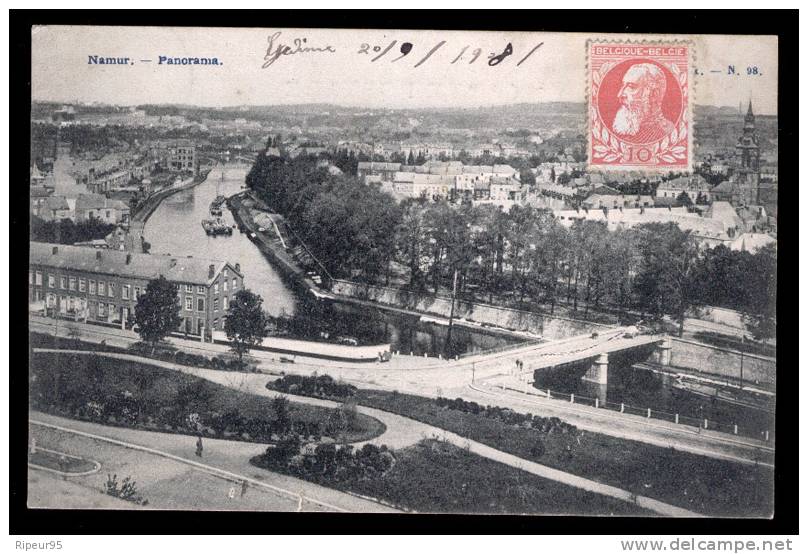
x,y
225,272
137,292
215,304
62,282
216,288
111,290
72,283
125,291
30,278
39,278
235,283
224,285
51,281
101,288
189,288
92,286
189,303
82,285
200,289
224,303
200,304
102,309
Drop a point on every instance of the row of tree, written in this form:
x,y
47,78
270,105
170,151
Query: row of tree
x,y
525,254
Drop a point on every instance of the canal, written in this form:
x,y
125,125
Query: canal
x,y
175,228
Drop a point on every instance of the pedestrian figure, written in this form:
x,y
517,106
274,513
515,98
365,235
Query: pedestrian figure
x,y
231,493
199,446
33,445
243,487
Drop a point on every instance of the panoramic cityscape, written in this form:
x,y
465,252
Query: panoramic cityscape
x,y
321,307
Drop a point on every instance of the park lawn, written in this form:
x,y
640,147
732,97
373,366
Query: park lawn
x,y
698,483
437,477
68,381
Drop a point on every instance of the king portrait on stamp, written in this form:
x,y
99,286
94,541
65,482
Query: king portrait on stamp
x,y
640,117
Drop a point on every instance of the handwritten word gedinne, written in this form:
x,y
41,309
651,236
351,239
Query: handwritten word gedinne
x,y
276,49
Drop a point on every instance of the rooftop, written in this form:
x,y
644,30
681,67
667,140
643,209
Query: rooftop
x,y
123,264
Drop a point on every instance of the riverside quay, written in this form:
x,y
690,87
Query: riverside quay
x,y
100,285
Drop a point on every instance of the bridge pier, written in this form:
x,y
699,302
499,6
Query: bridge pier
x,y
663,352
598,372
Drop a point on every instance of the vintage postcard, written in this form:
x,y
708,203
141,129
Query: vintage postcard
x,y
358,270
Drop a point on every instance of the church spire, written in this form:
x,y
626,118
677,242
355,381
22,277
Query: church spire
x,y
749,111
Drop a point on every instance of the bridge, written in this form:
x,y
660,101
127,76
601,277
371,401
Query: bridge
x,y
596,347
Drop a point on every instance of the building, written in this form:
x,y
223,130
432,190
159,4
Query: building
x,y
176,155
695,186
107,182
102,285
708,231
748,148
37,198
617,201
56,208
96,206
385,170
752,242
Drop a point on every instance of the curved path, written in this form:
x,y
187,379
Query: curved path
x,y
422,377
402,431
171,476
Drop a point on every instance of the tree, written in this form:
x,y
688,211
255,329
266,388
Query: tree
x,y
283,421
760,306
666,281
245,324
157,312
683,199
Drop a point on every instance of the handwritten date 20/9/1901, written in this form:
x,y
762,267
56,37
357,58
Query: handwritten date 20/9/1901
x,y
300,45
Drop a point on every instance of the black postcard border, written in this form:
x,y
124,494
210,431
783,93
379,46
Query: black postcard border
x,y
54,522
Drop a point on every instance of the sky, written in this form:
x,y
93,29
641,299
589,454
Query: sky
x,y
555,71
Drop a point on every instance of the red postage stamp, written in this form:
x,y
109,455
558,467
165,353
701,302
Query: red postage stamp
x,y
639,106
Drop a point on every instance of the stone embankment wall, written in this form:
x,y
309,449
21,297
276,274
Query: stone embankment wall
x,y
722,361
485,314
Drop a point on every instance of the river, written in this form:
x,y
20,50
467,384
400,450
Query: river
x,y
175,228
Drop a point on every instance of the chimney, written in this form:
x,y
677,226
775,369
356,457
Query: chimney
x,y
211,269
128,258
55,250
98,254
238,267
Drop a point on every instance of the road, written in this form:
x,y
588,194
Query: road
x,y
431,378
401,432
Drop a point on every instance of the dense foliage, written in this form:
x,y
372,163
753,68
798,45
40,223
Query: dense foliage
x,y
67,232
524,257
157,312
245,324
131,394
322,386
706,485
327,461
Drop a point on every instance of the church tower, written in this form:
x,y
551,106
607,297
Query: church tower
x,y
749,153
